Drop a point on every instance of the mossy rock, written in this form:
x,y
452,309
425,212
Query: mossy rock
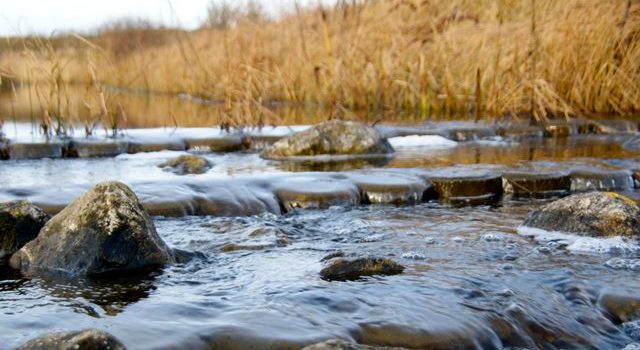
x,y
331,138
91,339
342,269
187,164
20,223
105,230
597,214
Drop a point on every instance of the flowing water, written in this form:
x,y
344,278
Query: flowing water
x,y
472,279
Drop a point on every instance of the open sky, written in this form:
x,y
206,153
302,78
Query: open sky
x,y
21,17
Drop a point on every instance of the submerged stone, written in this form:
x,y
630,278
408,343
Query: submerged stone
x,y
187,164
315,193
556,130
339,344
377,187
331,138
600,180
259,238
620,305
105,230
91,339
592,214
342,269
535,184
20,223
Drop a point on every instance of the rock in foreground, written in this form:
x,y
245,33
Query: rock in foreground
x,y
91,339
340,269
20,223
187,164
596,214
338,344
331,138
105,230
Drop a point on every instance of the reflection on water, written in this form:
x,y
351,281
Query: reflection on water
x,y
163,110
470,282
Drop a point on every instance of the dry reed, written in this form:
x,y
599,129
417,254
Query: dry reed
x,y
432,58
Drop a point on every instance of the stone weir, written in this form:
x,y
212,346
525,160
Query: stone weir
x,y
22,141
281,193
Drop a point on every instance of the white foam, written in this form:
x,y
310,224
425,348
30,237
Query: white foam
x,y
431,141
584,244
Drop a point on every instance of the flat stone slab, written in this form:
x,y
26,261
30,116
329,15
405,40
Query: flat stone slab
x,y
36,150
223,143
95,148
314,192
380,187
536,184
460,185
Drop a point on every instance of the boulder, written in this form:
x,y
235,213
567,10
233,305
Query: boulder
x,y
339,344
331,138
187,164
90,339
20,223
591,214
342,269
105,230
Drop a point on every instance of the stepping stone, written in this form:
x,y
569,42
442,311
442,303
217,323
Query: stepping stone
x,y
379,187
95,148
467,186
536,184
307,192
36,150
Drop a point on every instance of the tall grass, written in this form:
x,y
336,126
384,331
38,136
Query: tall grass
x,y
482,58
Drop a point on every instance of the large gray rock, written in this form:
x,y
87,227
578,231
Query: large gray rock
x,y
592,214
105,230
91,339
20,223
331,138
342,269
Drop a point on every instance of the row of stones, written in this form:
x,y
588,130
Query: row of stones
x,y
392,186
110,148
256,195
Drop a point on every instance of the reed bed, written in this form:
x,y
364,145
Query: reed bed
x,y
480,59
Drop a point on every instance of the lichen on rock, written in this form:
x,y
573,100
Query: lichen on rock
x,y
105,230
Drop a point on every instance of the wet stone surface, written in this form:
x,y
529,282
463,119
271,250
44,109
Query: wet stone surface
x,y
536,184
88,339
331,138
593,214
458,186
308,192
187,164
104,231
379,187
20,222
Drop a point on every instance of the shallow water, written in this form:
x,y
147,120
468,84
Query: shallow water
x,y
471,280
469,276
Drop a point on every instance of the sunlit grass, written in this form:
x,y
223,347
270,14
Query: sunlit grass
x,y
477,58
